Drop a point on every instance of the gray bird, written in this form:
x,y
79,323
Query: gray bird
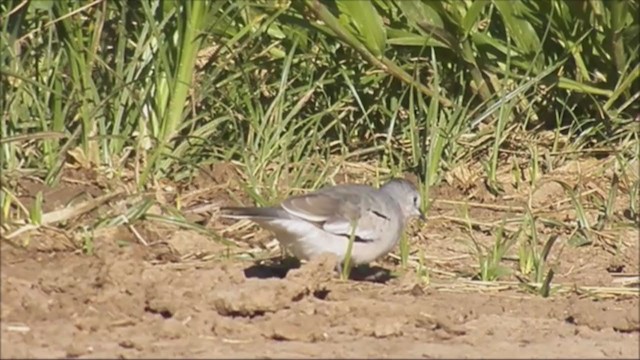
x,y
321,221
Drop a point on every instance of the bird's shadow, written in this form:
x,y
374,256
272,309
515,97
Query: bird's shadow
x,y
280,268
272,268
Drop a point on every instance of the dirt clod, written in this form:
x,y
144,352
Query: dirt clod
x,y
257,297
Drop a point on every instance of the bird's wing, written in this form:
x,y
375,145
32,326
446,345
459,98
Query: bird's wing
x,y
336,209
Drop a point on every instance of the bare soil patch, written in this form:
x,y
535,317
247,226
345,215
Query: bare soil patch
x,y
118,304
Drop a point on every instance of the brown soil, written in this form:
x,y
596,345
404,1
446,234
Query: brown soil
x,y
185,295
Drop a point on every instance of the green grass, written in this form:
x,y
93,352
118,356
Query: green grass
x,y
290,91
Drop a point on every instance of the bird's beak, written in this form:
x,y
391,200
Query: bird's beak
x,y
421,216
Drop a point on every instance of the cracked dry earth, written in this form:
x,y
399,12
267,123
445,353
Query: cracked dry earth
x,y
122,302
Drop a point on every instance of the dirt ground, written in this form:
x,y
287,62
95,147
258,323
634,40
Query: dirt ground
x,y
185,295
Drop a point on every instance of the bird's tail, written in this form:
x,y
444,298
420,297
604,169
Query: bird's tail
x,y
254,213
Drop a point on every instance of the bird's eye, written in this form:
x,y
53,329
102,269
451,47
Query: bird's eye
x,y
415,200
